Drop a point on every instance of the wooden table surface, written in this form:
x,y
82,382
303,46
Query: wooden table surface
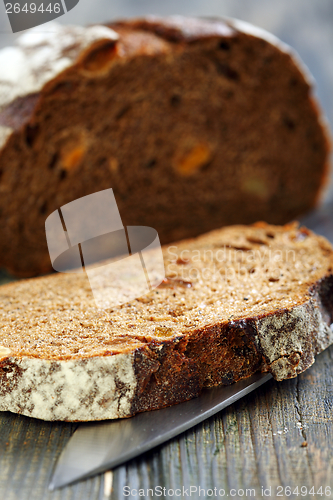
x,y
278,438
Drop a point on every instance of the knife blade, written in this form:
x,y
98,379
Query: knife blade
x,y
99,446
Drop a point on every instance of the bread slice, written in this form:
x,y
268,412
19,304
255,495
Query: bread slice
x,y
193,123
234,301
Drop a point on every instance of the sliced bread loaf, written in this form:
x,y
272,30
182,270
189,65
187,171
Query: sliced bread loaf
x,y
194,123
234,301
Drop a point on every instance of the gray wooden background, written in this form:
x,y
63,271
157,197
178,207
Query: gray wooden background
x,y
279,438
259,441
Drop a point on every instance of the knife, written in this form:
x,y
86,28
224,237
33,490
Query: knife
x,y
99,446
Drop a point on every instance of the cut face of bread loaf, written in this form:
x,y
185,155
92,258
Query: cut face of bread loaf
x,y
234,301
193,123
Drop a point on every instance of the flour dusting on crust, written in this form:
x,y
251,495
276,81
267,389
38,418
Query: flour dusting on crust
x,y
96,388
38,57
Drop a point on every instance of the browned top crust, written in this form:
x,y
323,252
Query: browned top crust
x,y
228,275
178,28
234,301
131,43
224,133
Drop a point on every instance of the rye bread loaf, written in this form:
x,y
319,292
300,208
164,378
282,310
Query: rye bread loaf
x,y
234,301
194,123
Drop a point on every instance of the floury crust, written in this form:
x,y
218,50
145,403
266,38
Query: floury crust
x,y
238,70
285,343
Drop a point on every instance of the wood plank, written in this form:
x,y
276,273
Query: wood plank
x,y
29,449
254,443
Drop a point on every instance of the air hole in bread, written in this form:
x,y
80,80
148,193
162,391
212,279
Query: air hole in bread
x,y
223,45
227,71
151,163
175,100
123,112
31,132
256,240
65,87
53,161
43,208
289,123
62,174
235,247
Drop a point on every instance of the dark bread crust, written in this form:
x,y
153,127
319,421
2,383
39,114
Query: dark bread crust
x,y
22,110
173,376
31,157
174,371
238,344
162,350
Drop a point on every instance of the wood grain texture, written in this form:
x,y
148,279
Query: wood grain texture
x,y
254,443
29,449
